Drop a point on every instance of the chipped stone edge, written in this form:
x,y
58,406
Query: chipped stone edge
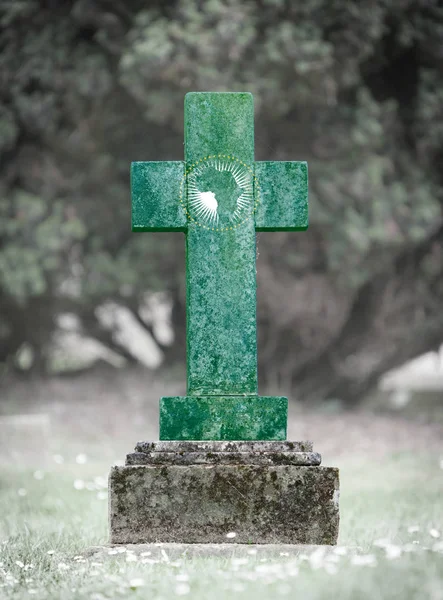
x,y
224,446
230,458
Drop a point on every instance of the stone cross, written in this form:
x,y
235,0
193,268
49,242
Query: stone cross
x,y
219,197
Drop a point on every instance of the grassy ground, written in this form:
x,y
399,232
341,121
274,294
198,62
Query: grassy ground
x,y
53,506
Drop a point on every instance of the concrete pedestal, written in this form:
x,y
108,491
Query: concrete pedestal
x,y
200,492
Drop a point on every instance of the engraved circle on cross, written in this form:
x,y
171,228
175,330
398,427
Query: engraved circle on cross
x,y
220,192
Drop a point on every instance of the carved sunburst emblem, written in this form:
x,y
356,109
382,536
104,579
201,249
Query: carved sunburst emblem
x,y
220,192
205,205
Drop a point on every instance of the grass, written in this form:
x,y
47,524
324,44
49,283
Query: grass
x,y
390,545
47,522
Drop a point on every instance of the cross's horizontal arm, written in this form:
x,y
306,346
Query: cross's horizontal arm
x,y
283,190
155,189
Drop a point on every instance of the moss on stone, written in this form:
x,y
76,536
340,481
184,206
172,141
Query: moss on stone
x,y
279,504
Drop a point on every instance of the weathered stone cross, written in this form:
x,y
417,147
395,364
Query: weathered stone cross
x,y
219,197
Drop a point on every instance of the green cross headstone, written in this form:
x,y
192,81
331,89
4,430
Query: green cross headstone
x,y
219,197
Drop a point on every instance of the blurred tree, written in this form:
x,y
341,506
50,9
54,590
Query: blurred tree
x,y
354,88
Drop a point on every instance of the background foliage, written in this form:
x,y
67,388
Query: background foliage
x,y
354,88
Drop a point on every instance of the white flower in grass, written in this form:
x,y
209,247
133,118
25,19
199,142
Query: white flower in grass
x,y
331,569
81,459
182,589
38,475
409,548
238,587
237,562
63,566
413,528
231,535
316,558
22,492
79,484
50,552
382,543
100,482
333,558
136,583
393,552
131,557
365,560
20,564
149,561
58,458
164,556
292,570
434,533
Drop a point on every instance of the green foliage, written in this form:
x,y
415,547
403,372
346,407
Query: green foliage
x,y
8,130
36,238
354,88
370,192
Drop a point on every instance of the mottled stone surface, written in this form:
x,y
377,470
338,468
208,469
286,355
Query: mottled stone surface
x,y
234,458
221,285
235,452
219,123
202,504
284,196
221,311
223,418
231,446
159,181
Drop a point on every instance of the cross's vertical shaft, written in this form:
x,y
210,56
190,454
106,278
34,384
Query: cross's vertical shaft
x,y
221,283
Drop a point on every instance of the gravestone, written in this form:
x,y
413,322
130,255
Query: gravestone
x,y
223,469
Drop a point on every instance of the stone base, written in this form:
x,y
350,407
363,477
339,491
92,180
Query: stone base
x,y
163,497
